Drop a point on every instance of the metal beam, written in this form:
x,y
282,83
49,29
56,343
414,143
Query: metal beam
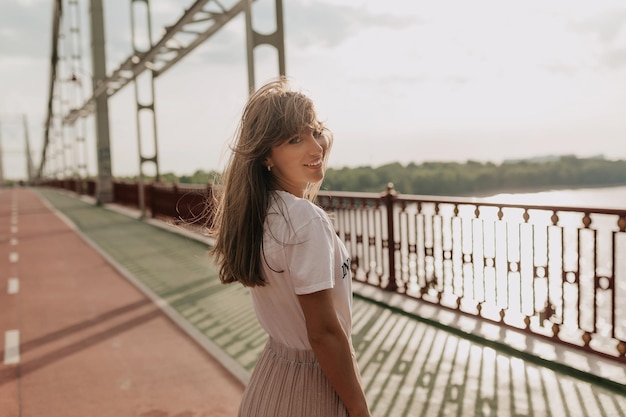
x,y
147,104
254,39
104,190
166,52
56,24
199,22
29,158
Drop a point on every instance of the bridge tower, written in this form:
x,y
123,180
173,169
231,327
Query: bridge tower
x,y
149,60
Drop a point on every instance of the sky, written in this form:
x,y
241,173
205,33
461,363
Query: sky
x,y
396,81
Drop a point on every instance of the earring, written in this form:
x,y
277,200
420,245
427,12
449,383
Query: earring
x,y
269,168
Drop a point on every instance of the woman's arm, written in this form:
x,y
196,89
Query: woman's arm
x,y
331,347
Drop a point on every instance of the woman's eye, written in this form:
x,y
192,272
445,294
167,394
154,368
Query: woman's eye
x,y
295,139
317,133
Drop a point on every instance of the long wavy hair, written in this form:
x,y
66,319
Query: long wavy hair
x,y
272,115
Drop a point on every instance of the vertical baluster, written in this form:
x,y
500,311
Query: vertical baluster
x,y
389,198
466,262
358,235
350,224
438,252
457,289
419,247
448,253
621,345
570,281
359,232
478,271
383,267
517,266
558,310
370,257
508,271
596,282
429,250
586,338
614,292
405,254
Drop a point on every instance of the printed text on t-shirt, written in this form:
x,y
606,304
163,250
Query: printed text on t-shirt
x,y
345,268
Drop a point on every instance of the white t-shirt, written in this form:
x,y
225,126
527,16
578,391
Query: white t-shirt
x,y
302,254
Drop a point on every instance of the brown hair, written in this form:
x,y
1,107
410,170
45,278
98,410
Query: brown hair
x,y
272,115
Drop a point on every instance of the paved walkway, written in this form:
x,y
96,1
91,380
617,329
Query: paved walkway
x,y
80,340
410,368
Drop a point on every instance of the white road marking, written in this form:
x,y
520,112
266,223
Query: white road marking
x,y
14,257
11,347
13,286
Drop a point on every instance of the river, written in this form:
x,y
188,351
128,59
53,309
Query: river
x,y
608,251
605,197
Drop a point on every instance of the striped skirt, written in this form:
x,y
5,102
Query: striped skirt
x,y
289,382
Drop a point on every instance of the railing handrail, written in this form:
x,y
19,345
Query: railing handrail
x,y
471,262
481,203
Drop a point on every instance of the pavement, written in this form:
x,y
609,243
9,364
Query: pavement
x,y
118,316
81,340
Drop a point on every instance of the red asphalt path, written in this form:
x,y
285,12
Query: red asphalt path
x,y
90,343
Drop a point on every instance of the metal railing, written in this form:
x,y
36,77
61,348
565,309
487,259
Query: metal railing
x,y
180,203
555,272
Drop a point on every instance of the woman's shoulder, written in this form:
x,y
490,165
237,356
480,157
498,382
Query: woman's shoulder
x,y
292,220
297,208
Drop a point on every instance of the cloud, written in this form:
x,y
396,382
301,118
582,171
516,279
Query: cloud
x,y
610,29
606,26
561,69
327,25
226,47
25,29
307,24
615,58
456,80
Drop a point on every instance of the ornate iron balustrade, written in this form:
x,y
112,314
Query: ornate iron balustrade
x,y
555,272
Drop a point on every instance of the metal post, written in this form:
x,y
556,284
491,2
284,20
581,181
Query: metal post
x,y
104,189
58,151
64,100
77,127
144,97
254,39
29,159
250,45
279,38
389,198
1,157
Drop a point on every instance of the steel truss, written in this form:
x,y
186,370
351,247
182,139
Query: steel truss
x,y
198,23
171,48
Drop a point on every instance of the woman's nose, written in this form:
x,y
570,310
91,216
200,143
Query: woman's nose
x,y
318,144
323,141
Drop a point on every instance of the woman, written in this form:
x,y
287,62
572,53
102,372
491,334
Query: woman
x,y
271,238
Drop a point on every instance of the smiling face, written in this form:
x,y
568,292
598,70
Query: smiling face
x,y
299,161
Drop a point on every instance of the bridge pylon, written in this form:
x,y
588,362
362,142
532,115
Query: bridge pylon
x,y
147,62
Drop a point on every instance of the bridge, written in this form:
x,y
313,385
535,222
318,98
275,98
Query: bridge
x,y
123,307
112,304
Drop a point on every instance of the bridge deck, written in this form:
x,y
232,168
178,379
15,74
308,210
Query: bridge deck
x,y
89,341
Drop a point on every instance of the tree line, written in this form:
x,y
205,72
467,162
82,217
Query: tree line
x,y
468,178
